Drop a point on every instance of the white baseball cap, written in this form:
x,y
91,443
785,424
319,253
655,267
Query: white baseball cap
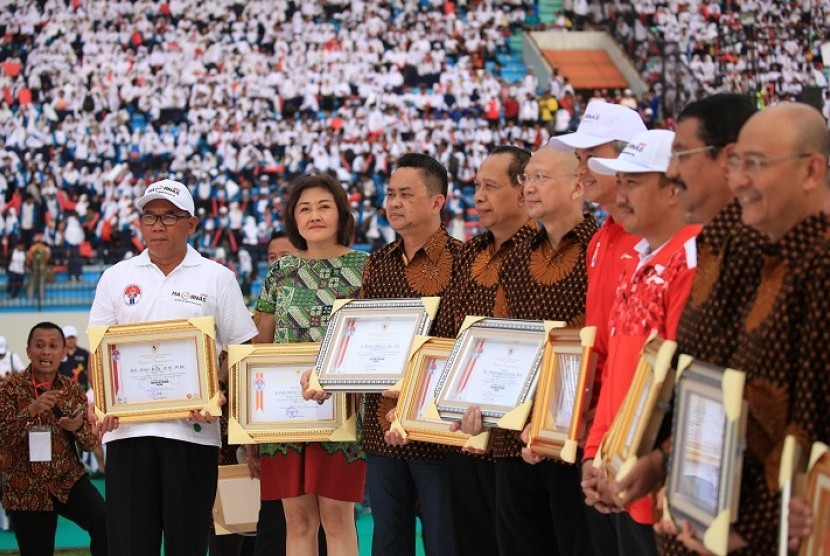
x,y
649,151
168,190
4,346
601,123
70,331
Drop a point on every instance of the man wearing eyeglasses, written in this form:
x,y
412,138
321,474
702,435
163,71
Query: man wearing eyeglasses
x,y
161,475
547,281
778,172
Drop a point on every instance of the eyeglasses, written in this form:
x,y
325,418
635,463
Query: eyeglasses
x,y
753,163
677,156
530,178
166,219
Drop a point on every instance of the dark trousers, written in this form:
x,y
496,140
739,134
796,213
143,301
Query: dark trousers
x,y
617,533
544,497
155,486
395,487
35,531
473,492
271,531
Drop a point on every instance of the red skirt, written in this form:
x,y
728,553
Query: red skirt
x,y
314,471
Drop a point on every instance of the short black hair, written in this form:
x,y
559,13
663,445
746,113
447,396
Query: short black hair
x,y
277,234
721,118
519,159
433,173
45,325
345,218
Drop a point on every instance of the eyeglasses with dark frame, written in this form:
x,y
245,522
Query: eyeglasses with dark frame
x,y
166,219
752,164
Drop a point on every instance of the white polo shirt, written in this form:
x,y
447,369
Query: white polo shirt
x,y
136,291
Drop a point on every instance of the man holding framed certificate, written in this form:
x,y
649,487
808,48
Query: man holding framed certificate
x,y
419,264
650,295
477,290
547,281
778,172
161,475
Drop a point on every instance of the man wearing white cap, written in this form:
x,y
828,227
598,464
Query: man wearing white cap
x,y
76,359
649,298
161,476
604,131
10,362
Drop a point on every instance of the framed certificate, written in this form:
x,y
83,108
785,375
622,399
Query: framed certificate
x,y
564,393
416,412
367,343
708,434
643,408
236,508
818,497
266,400
792,480
494,364
155,370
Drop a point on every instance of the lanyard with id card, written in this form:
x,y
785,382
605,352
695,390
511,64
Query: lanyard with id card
x,y
40,443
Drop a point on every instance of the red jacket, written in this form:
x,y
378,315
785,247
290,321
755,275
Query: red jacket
x,y
648,299
609,251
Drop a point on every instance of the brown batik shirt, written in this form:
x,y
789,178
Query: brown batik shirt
x,y
387,275
780,344
31,486
729,261
545,283
479,287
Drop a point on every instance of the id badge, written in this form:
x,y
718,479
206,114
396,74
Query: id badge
x,y
40,443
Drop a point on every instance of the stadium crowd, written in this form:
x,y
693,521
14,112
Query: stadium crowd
x,y
100,98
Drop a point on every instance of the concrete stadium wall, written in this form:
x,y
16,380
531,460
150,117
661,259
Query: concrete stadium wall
x,y
535,42
15,327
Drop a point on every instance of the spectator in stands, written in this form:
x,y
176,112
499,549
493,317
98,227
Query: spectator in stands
x,y
10,362
17,270
75,361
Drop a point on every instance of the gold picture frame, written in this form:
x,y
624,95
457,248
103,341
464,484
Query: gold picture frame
x,y
416,415
792,480
564,393
154,371
494,364
708,443
645,404
236,507
266,402
368,342
818,498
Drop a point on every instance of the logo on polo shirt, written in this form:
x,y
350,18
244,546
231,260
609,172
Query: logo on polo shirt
x,y
192,298
592,117
132,294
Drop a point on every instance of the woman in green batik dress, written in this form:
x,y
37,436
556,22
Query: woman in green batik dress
x,y
317,482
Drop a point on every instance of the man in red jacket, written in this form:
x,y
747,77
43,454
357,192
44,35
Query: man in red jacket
x,y
649,297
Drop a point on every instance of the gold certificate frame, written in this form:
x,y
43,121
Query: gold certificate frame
x,y
564,393
236,507
792,480
494,364
708,433
637,422
368,341
155,371
266,403
417,416
818,497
